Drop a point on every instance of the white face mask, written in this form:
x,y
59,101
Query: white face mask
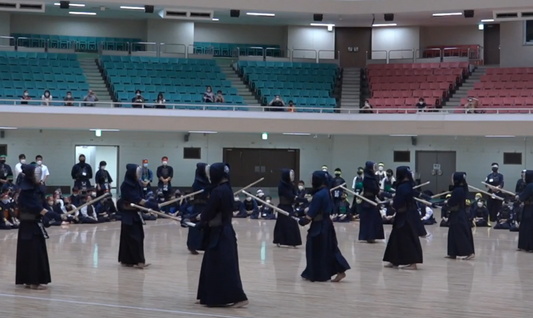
x,y
69,96
420,102
39,162
93,194
165,163
301,187
248,199
236,199
23,161
380,168
138,94
5,200
102,167
480,204
267,201
26,94
145,165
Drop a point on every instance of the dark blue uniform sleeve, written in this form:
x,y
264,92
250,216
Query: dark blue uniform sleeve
x,y
317,204
526,194
457,198
74,172
212,206
287,193
89,172
501,184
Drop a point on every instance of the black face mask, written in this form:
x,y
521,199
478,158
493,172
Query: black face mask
x,y
82,161
359,173
494,169
389,175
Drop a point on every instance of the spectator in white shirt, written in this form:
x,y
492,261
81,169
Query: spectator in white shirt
x,y
46,98
18,166
45,172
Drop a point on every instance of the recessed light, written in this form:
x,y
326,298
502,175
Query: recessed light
x,y
259,14
384,24
103,129
297,134
202,132
82,13
403,135
487,20
215,19
8,128
131,8
500,136
71,4
448,14
323,24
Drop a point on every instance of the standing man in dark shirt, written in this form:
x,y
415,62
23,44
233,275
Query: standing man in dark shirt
x,y
495,179
165,173
82,173
5,170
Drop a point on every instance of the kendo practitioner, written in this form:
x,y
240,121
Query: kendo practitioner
x,y
357,187
250,207
480,214
266,212
286,231
525,232
261,195
165,173
103,180
505,217
201,182
337,193
520,184
403,248
494,179
32,267
131,250
445,214
343,210
82,173
371,225
301,201
5,170
220,282
238,208
322,253
460,239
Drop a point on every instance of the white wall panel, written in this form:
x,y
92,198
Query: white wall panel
x,y
235,33
513,52
312,38
395,38
451,35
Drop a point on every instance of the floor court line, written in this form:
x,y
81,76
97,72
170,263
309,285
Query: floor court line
x,y
179,312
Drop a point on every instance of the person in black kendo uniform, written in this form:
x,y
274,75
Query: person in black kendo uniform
x,y
495,179
82,173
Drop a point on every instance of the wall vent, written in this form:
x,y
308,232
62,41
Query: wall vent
x,y
186,14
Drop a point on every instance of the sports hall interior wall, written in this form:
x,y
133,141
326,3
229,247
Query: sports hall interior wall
x,y
473,154
513,52
5,23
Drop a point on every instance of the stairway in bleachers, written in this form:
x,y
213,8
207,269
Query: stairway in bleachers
x,y
95,79
242,89
351,88
468,84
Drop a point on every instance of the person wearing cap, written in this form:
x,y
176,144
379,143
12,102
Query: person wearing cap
x,y
18,166
165,173
495,179
5,169
102,179
147,177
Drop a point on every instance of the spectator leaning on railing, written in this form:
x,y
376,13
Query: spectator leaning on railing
x,y
160,101
90,99
138,100
69,100
46,98
25,98
277,104
291,108
471,106
219,98
209,96
367,108
421,105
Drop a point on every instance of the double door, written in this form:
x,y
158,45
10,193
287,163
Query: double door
x,y
436,167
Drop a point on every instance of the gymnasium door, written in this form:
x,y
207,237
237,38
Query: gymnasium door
x,y
353,44
436,167
248,165
95,154
491,43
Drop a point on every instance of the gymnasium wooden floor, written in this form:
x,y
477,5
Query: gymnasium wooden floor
x,y
88,282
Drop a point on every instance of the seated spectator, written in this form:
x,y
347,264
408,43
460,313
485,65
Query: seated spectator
x,y
278,104
91,98
69,100
220,98
138,100
46,98
471,106
291,108
367,108
421,105
160,101
209,96
25,97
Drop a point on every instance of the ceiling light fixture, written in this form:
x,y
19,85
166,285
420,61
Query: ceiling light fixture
x,y
297,134
384,24
131,8
487,20
500,136
215,19
202,132
82,13
8,128
323,24
448,14
103,129
259,14
403,135
71,4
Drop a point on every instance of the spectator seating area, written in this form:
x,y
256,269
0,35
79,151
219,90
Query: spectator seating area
x,y
83,43
306,84
471,51
226,49
38,72
504,87
401,85
180,80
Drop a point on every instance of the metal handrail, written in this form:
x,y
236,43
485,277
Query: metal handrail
x,y
295,55
234,107
277,49
412,51
369,55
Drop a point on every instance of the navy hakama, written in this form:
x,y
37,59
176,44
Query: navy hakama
x,y
286,231
32,267
460,238
525,231
370,220
131,248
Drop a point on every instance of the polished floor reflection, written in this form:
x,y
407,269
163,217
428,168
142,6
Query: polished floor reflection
x,y
88,282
